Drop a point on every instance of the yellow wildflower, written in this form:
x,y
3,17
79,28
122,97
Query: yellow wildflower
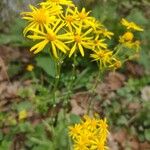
x,y
58,2
104,32
98,145
131,25
70,18
80,40
39,17
99,43
75,130
22,115
97,25
126,37
116,64
50,36
104,57
30,67
84,18
92,134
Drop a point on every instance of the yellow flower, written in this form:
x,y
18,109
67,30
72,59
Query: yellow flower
x,y
30,67
99,43
58,2
126,37
80,40
98,145
22,115
131,25
84,18
50,36
39,17
104,57
92,134
96,24
116,64
70,18
75,130
104,32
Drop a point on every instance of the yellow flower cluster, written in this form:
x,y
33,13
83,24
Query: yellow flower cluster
x,y
59,24
127,39
67,30
90,134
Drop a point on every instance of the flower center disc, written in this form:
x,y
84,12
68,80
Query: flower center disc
x,y
82,16
69,18
77,38
51,37
40,16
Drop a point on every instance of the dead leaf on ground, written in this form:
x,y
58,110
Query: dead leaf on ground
x,y
112,82
133,143
144,146
134,106
120,136
112,144
134,69
9,53
80,103
9,90
3,71
115,80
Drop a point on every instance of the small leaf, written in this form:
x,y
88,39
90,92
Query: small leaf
x,y
74,118
47,64
147,134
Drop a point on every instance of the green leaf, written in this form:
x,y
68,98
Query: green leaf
x,y
74,118
147,134
47,64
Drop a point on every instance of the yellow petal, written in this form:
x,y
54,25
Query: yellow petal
x,y
41,46
54,50
81,49
72,50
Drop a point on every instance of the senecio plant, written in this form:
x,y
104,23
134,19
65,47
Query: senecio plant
x,y
70,32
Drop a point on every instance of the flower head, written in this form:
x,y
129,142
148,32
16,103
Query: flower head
x,y
104,57
39,17
131,25
80,40
58,2
70,18
91,134
99,43
52,37
103,31
127,39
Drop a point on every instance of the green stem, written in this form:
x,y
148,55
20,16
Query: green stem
x,y
73,76
57,78
93,93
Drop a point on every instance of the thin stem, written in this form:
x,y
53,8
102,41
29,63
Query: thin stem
x,y
73,76
57,78
93,93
